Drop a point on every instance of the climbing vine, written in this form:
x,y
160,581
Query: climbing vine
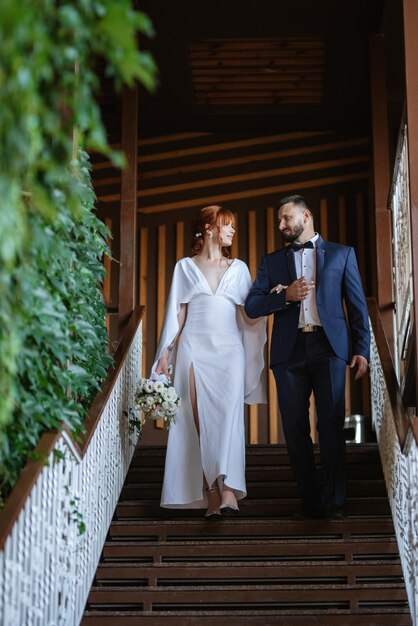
x,y
52,332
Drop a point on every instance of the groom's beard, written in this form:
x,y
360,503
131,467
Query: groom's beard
x,y
294,233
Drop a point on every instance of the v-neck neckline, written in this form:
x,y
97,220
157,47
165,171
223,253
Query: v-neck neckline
x,y
206,280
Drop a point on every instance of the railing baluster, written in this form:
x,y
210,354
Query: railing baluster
x,y
46,566
399,456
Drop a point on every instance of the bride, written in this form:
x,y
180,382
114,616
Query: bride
x,y
217,358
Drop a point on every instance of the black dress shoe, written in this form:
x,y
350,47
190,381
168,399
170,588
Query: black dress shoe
x,y
336,512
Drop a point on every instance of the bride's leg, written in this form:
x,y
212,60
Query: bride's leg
x,y
193,398
213,495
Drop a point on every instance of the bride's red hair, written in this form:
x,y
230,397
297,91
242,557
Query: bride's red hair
x,y
213,215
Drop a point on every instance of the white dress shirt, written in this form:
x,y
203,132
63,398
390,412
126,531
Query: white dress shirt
x,y
305,261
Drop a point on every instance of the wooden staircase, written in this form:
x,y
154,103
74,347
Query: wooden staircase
x,y
170,567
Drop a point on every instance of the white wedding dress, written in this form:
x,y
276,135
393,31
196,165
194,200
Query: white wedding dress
x,y
227,358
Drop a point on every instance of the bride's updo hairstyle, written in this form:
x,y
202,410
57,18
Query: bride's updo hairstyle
x,y
210,216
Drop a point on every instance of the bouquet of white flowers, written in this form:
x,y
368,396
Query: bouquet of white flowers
x,y
157,399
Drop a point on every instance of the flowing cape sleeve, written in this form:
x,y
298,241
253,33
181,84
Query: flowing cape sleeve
x,y
181,292
254,337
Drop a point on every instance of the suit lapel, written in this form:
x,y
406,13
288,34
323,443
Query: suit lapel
x,y
320,259
290,259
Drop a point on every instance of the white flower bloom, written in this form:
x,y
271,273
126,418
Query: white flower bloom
x,y
148,386
171,394
159,386
150,400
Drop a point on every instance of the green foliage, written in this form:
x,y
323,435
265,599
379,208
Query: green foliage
x,y
52,333
74,513
59,316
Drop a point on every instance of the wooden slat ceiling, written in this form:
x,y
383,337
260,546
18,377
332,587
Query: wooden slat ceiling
x,y
262,71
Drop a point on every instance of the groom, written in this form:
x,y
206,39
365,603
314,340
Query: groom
x,y
306,285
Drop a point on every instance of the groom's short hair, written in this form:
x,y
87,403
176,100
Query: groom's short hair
x,y
295,199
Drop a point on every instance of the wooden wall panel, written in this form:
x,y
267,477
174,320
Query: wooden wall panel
x,y
229,72
180,174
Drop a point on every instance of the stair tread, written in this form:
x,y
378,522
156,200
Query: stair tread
x,y
170,566
346,588
254,564
359,520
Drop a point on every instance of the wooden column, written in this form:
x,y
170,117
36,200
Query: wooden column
x,y
381,178
410,9
128,206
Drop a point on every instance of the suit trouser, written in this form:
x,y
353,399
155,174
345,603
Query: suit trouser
x,y
313,366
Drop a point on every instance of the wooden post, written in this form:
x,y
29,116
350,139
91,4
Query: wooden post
x,y
128,207
410,11
381,178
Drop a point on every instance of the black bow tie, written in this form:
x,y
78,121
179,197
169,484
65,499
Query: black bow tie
x,y
298,246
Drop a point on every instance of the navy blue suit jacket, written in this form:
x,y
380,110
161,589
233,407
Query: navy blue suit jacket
x,y
337,281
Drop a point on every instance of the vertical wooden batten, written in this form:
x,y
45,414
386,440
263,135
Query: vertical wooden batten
x,y
252,264
361,257
381,182
161,289
342,238
143,282
342,220
410,10
107,265
273,417
234,246
128,206
161,286
179,240
323,217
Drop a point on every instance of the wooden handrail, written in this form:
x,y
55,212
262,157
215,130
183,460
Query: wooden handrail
x,y
107,386
22,489
403,422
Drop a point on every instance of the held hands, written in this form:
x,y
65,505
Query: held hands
x,y
361,363
299,289
278,288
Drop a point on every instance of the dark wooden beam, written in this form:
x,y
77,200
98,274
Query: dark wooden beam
x,y
128,207
410,9
382,263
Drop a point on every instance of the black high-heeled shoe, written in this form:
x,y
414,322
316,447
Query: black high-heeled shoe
x,y
216,513
213,516
227,510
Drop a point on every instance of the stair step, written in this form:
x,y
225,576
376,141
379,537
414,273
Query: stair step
x,y
250,597
252,550
174,530
260,489
249,507
258,573
266,617
256,473
366,454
